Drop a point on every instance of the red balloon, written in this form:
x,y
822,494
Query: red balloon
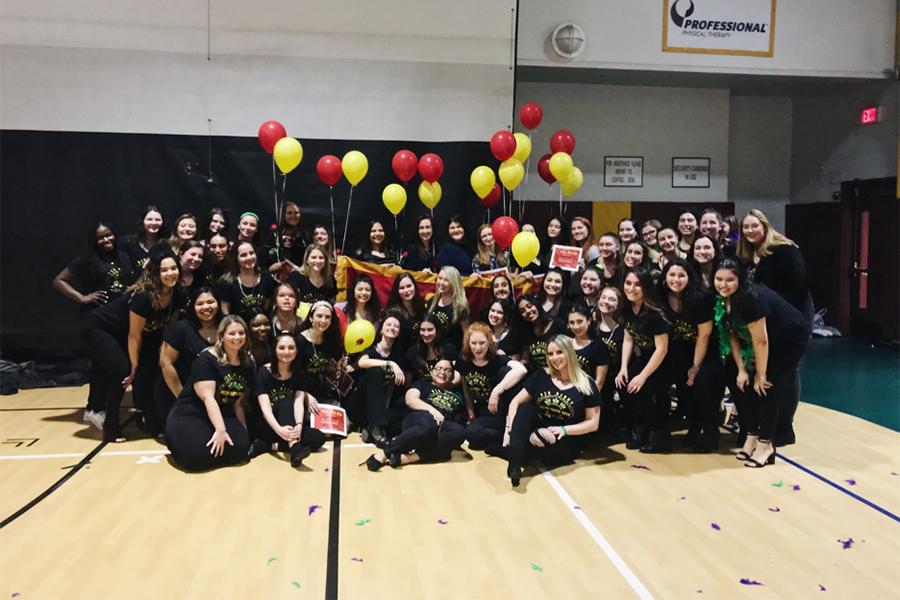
x,y
504,230
544,169
531,114
503,145
405,164
342,319
562,141
269,134
329,169
431,167
493,197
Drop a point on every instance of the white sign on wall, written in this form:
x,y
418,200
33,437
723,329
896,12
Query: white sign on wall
x,y
623,171
745,27
690,172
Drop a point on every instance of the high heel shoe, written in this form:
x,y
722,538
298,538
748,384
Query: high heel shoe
x,y
515,474
748,449
372,463
758,461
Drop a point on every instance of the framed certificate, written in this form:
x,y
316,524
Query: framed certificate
x,y
331,419
567,258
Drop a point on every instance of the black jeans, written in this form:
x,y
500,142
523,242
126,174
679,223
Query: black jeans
x,y
648,408
525,423
370,404
284,414
487,429
109,359
188,429
422,435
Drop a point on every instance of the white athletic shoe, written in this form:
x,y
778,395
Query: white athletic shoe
x,y
95,418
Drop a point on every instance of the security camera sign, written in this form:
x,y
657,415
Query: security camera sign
x,y
744,28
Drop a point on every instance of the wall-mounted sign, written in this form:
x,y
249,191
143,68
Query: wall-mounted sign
x,y
690,172
623,171
744,28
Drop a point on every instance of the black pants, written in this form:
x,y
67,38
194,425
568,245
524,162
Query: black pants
x,y
163,400
526,422
188,430
422,435
284,414
146,376
370,405
648,409
758,415
703,399
487,429
109,358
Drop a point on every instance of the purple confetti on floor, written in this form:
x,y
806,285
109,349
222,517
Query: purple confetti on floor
x,y
850,481
313,508
642,467
745,581
715,526
356,559
796,488
846,544
442,522
821,588
775,509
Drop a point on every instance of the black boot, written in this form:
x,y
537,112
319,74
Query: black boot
x,y
658,442
692,438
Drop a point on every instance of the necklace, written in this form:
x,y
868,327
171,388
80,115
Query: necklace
x,y
252,287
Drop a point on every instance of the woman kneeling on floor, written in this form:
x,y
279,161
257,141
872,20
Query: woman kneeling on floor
x,y
207,426
557,406
432,429
279,423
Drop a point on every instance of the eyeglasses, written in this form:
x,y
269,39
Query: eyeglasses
x,y
443,369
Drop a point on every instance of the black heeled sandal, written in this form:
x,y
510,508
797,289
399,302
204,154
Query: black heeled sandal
x,y
372,463
755,464
395,459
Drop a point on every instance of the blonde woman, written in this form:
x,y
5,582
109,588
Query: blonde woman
x,y
450,305
488,255
556,406
207,427
314,280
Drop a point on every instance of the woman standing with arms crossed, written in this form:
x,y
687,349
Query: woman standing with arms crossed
x,y
207,427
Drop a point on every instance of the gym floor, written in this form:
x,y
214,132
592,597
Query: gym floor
x,y
87,520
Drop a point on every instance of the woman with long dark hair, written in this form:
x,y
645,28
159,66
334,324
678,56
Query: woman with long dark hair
x,y
183,341
216,222
557,405
593,355
501,318
216,257
691,360
557,234
97,277
766,337
609,329
419,255
641,378
537,329
190,256
377,248
456,251
687,229
319,351
362,301
405,300
552,295
430,347
289,239
150,232
704,257
246,289
207,427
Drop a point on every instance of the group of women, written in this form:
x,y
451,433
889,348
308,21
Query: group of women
x,y
205,327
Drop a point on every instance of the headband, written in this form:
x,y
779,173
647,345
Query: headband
x,y
249,213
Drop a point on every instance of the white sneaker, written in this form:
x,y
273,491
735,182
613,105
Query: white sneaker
x,y
95,418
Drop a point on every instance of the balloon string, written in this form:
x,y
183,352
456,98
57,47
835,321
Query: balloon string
x,y
275,191
331,200
347,221
560,202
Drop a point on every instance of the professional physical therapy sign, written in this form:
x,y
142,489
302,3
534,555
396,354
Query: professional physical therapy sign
x,y
736,27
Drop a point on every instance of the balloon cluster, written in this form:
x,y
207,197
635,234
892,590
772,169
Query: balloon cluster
x,y
558,164
287,151
405,165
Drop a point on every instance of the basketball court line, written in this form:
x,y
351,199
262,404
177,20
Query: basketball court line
x,y
610,552
334,519
80,454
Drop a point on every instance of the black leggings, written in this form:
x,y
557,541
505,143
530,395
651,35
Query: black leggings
x,y
369,405
703,399
648,409
189,429
422,435
146,376
758,415
109,358
525,423
487,429
284,414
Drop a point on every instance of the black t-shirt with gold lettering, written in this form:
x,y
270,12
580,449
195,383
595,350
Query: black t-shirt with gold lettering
x,y
109,272
643,327
248,301
592,356
479,381
277,389
232,382
185,338
155,320
536,345
310,293
420,367
696,309
613,342
556,406
449,402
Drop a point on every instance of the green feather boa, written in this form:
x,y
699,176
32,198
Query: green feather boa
x,y
732,327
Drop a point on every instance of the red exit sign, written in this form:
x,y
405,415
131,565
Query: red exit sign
x,y
870,115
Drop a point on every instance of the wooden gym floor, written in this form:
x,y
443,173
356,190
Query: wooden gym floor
x,y
84,520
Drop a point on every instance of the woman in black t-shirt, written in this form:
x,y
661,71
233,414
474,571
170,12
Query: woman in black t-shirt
x,y
376,249
557,405
552,296
371,406
501,317
593,355
215,259
641,379
609,329
182,342
246,289
315,279
190,255
432,428
207,427
489,382
766,337
419,255
150,232
320,355
420,359
691,360
97,277
450,305
405,300
279,424
284,314
537,329
362,300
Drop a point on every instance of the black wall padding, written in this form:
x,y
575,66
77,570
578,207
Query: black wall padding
x,y
54,185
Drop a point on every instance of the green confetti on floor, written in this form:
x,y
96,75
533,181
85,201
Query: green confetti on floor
x,y
363,522
296,584
778,484
271,560
537,567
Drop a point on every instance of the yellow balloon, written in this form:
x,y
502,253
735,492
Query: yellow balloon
x,y
430,193
355,165
288,153
482,181
511,173
523,147
525,247
394,198
561,165
359,335
573,182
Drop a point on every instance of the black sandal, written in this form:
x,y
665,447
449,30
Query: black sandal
x,y
372,463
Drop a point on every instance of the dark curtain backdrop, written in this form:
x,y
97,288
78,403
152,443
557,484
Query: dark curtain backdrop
x,y
55,185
